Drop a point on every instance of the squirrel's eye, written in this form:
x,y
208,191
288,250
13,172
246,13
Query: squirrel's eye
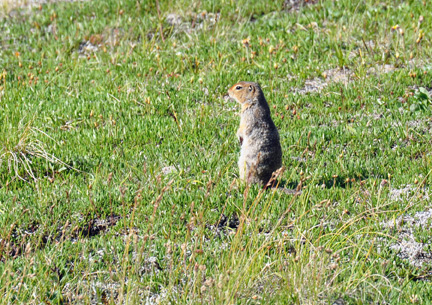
x,y
238,87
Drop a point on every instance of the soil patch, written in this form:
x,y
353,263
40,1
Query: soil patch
x,y
343,76
407,246
296,5
405,229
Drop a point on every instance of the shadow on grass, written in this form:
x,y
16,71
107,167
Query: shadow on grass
x,y
17,244
294,187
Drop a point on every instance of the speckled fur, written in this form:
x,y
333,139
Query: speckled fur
x,y
261,152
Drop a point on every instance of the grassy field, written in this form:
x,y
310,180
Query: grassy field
x,y
118,154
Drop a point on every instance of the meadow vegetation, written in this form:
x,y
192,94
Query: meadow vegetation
x,y
118,154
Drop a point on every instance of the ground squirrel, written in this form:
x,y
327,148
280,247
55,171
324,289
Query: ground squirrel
x,y
261,152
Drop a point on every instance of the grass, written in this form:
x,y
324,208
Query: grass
x,y
118,177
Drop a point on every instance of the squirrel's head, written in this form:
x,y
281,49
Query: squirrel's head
x,y
245,93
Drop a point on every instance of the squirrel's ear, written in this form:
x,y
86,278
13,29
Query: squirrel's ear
x,y
251,88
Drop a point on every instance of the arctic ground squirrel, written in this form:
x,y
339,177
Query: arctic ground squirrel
x,y
261,152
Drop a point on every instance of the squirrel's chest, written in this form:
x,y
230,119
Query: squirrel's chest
x,y
251,125
243,126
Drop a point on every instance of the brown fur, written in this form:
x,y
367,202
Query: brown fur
x,y
261,152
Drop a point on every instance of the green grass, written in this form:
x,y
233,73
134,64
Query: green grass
x,y
116,166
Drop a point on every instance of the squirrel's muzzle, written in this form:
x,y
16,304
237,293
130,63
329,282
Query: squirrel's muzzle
x,y
227,98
